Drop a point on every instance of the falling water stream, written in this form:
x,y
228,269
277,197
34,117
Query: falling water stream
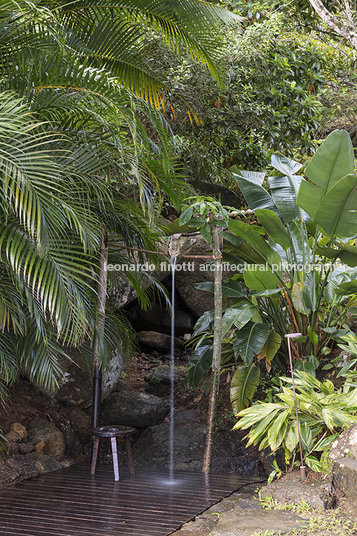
x,y
172,371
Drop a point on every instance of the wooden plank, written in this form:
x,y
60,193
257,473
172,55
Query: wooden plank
x,y
72,502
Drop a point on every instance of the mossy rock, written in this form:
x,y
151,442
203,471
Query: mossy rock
x,y
325,461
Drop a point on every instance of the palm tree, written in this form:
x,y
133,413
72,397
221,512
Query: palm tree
x,y
71,145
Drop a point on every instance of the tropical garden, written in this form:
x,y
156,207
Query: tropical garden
x,y
113,115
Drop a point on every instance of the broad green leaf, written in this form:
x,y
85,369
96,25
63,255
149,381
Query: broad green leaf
x,y
274,227
305,366
206,232
255,177
271,346
259,277
284,192
175,228
313,463
291,437
345,289
328,418
230,288
252,237
327,387
255,195
250,340
243,386
337,211
311,291
298,298
307,439
186,216
200,362
333,160
203,322
239,316
285,165
312,336
325,442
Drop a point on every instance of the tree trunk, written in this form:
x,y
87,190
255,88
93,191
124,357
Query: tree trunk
x,y
216,358
344,28
99,332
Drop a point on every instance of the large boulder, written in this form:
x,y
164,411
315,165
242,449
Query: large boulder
x,y
341,459
132,408
75,386
153,446
159,379
191,271
158,341
46,432
81,425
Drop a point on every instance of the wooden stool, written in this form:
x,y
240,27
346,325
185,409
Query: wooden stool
x,y
113,432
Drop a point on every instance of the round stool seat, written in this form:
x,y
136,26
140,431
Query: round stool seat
x,y
112,431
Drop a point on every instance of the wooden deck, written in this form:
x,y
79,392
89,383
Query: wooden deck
x,y
70,502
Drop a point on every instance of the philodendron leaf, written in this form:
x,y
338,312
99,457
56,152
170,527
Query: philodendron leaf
x,y
250,340
333,160
243,386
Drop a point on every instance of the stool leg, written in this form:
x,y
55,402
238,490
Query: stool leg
x,y
95,454
115,458
129,454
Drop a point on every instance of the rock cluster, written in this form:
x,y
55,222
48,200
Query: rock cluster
x,y
41,446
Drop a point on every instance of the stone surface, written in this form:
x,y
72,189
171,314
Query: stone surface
x,y
43,462
68,433
153,446
19,429
157,318
345,446
241,522
81,425
13,437
344,476
41,430
40,447
12,448
20,468
240,515
162,374
132,408
25,448
318,495
158,341
75,386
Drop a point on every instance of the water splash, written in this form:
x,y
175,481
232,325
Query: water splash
x,y
172,371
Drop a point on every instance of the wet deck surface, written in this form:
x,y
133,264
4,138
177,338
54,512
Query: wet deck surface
x,y
70,502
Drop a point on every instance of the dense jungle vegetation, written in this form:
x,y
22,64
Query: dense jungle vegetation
x,y
112,115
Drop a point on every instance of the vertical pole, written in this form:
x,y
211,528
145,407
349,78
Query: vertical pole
x,y
302,467
216,358
99,332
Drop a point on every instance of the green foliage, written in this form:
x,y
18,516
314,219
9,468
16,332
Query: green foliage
x,y
323,412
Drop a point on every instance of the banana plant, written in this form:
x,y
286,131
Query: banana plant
x,y
297,267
